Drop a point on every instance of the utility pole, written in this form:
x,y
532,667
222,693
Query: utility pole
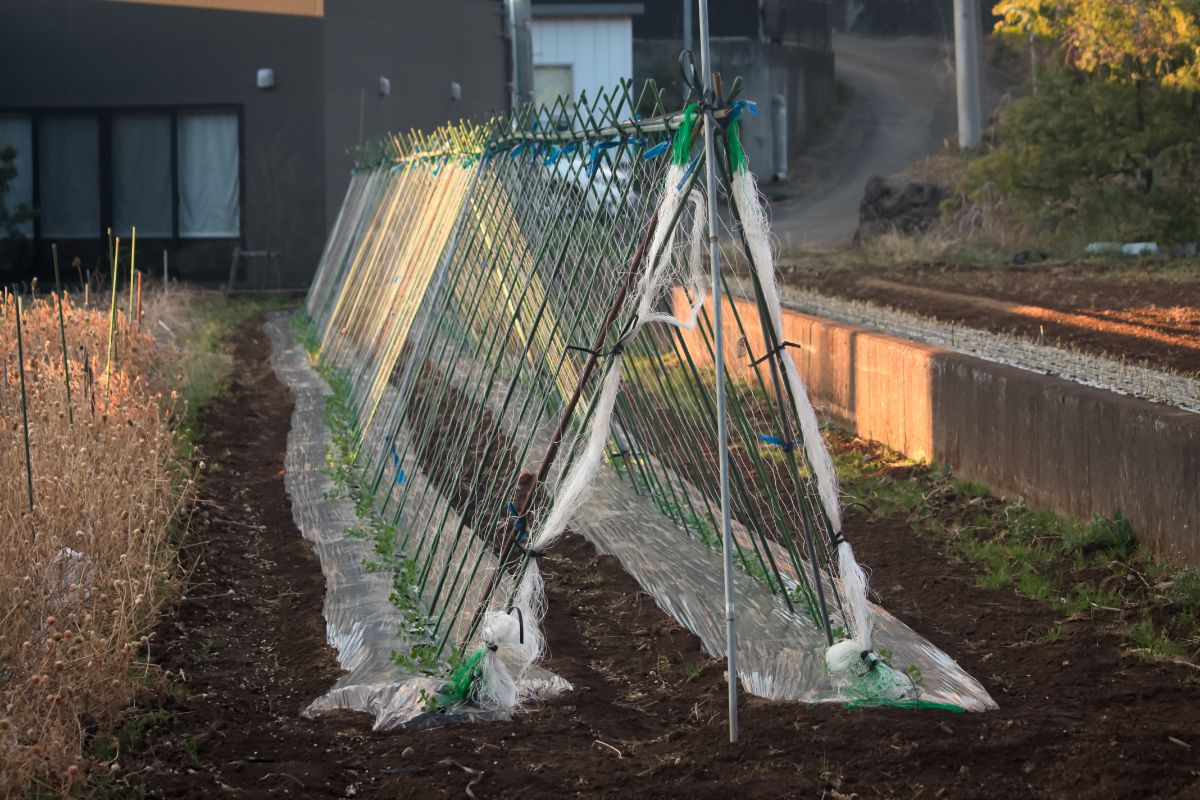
x,y
967,36
520,35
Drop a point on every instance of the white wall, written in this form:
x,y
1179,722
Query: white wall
x,y
599,48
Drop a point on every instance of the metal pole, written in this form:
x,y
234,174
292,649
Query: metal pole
x,y
514,97
521,33
967,64
714,254
687,25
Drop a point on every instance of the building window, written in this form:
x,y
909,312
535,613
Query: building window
x,y
552,81
68,159
16,131
141,174
208,176
170,172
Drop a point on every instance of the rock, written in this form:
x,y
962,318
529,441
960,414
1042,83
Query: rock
x,y
906,207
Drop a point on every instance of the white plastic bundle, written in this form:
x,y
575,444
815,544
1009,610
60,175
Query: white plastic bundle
x,y
842,656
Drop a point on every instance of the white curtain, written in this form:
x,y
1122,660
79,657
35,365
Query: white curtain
x,y
16,131
208,175
141,174
69,177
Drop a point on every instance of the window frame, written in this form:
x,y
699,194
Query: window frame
x,y
104,117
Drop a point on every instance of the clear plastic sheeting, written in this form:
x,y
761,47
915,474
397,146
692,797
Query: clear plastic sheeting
x,y
780,656
359,619
497,300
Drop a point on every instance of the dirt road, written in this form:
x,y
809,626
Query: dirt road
x,y
902,108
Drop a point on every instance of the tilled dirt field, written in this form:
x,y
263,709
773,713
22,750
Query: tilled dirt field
x,y
245,651
1144,311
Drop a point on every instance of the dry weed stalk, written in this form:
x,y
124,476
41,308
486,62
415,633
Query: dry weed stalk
x,y
82,576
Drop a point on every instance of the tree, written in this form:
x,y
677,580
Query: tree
x,y
1125,41
1107,146
11,220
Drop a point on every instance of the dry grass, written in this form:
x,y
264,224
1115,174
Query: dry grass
x,y
82,575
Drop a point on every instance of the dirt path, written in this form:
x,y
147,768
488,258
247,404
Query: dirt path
x,y
246,650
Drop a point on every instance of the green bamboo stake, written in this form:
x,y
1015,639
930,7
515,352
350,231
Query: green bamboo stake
x,y
112,318
24,407
62,332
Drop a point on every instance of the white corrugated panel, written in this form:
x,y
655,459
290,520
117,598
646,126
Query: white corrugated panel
x,y
599,50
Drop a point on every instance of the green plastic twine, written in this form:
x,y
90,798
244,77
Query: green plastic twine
x,y
458,689
872,690
681,147
737,155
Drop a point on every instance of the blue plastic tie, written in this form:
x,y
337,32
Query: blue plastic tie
x,y
518,522
786,447
594,158
516,151
657,150
743,105
400,477
687,174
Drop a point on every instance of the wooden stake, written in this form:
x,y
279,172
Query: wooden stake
x,y
112,317
62,332
132,269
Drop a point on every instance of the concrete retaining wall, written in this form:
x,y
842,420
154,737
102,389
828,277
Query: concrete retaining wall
x,y
1054,443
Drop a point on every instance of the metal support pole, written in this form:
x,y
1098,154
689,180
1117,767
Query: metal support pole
x,y
714,253
967,43
521,41
687,25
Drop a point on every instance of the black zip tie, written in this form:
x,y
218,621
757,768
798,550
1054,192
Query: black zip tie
x,y
531,552
521,623
838,538
870,658
619,347
854,503
587,350
776,350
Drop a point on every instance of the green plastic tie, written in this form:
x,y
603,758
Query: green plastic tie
x,y
737,155
681,149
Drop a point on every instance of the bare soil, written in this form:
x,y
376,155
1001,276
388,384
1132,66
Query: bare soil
x,y
1141,311
245,651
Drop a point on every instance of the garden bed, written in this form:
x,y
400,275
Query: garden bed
x,y
1079,715
1145,310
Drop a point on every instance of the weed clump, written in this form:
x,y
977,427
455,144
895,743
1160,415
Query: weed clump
x,y
82,572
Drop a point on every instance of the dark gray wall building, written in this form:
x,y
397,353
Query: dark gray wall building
x,y
220,124
783,50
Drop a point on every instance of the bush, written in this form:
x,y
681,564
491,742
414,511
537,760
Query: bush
x,y
1115,159
1114,536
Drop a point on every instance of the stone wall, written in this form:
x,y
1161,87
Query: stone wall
x,y
1049,441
